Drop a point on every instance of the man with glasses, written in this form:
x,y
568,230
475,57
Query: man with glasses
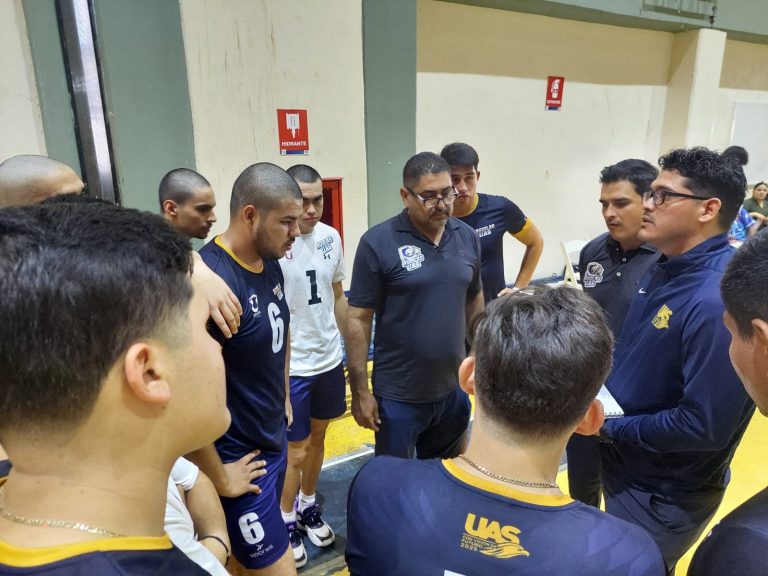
x,y
491,217
665,463
419,272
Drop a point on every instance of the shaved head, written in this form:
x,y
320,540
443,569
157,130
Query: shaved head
x,y
30,179
264,186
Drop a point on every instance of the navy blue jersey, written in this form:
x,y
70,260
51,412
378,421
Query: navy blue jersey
x,y
738,545
254,358
492,218
107,557
685,407
431,518
612,276
419,292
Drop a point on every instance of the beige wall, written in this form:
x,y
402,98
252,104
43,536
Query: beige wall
x,y
246,59
482,79
21,127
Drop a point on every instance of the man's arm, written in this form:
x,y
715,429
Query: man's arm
x,y
475,304
233,479
225,307
713,405
364,406
288,407
534,246
340,308
208,517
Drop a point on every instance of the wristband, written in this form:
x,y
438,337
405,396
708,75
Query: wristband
x,y
220,541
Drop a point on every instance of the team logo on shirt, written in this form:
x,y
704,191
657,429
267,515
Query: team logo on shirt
x,y
278,291
253,300
593,275
661,320
325,245
410,257
491,538
485,230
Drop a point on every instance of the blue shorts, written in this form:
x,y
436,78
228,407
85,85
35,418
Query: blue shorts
x,y
254,523
321,397
428,430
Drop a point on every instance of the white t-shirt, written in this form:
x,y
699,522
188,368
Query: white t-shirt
x,y
178,522
313,264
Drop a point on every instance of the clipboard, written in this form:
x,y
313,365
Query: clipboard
x,y
611,408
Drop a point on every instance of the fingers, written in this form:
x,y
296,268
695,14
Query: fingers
x,y
220,322
375,420
236,303
254,489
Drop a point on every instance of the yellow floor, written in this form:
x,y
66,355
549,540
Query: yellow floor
x,y
749,470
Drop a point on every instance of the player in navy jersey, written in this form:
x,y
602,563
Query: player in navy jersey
x,y
107,376
491,217
265,206
739,543
539,357
420,273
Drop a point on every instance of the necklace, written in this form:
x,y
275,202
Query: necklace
x,y
57,523
508,480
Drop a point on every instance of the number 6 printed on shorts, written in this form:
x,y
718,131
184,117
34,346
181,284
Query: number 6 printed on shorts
x,y
253,531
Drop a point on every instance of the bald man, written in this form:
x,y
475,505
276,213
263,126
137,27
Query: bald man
x,y
30,179
187,202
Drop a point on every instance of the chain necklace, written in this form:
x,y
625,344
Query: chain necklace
x,y
508,480
57,523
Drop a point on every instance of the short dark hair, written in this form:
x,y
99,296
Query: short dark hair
x,y
541,356
710,174
639,172
81,281
304,174
739,153
460,154
179,184
743,284
263,185
422,164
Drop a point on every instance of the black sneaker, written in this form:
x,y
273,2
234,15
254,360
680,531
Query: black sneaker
x,y
310,521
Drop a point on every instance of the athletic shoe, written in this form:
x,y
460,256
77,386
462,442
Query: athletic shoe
x,y
309,521
297,545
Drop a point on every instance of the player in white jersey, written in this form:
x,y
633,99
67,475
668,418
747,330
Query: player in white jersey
x,y
313,271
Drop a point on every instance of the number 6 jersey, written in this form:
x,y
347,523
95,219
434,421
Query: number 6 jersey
x,y
254,358
311,267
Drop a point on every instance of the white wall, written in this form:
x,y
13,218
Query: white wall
x,y
246,59
21,127
482,79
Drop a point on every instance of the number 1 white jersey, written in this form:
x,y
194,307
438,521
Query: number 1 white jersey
x,y
310,268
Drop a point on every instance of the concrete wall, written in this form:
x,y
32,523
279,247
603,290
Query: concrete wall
x,y
245,60
21,126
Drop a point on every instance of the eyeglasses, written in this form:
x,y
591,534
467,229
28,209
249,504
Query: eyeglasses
x,y
432,201
659,196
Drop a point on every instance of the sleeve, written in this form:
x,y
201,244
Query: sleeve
x,y
184,474
477,284
746,219
731,550
514,219
367,276
714,403
340,273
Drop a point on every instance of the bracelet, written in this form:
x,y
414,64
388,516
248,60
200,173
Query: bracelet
x,y
220,541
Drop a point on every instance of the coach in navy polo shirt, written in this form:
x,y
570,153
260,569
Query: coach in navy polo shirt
x,y
491,217
611,267
419,272
685,408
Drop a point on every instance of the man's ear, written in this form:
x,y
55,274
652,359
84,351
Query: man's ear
x,y
250,215
477,175
145,374
592,420
170,208
760,334
404,195
711,208
467,375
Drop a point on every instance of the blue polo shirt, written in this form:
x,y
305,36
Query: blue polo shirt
x,y
433,518
612,276
254,358
491,219
685,407
419,292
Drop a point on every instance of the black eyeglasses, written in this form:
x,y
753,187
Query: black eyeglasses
x,y
432,201
659,196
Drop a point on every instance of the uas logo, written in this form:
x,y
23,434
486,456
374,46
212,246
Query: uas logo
x,y
253,300
489,537
410,257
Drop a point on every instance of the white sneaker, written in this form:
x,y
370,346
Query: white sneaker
x,y
310,521
297,545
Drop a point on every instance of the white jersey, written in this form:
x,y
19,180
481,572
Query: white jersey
x,y
313,264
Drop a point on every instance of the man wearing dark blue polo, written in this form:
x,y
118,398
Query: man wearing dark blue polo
x,y
611,267
419,272
667,464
